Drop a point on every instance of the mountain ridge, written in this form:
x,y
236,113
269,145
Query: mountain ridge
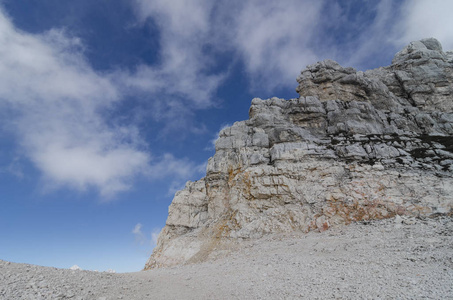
x,y
354,146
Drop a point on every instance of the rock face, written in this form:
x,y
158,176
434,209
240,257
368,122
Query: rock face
x,y
354,146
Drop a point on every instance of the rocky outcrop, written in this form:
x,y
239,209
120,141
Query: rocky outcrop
x,y
354,146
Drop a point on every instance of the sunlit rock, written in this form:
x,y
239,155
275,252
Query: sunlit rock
x,y
354,146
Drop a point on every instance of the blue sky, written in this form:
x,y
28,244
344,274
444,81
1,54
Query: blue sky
x,y
108,107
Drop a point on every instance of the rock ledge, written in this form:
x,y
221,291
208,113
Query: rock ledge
x,y
354,146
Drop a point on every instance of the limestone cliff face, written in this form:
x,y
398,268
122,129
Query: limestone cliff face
x,y
355,146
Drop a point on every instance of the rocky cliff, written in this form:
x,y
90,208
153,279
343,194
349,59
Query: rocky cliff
x,y
354,146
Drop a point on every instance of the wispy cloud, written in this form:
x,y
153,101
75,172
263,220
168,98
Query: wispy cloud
x,y
183,78
273,39
365,32
422,19
14,168
177,171
57,101
392,25
170,165
142,238
58,108
138,234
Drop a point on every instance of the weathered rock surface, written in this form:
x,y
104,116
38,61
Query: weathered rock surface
x,y
355,146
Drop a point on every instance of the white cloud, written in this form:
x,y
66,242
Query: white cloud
x,y
273,38
373,41
46,69
179,170
14,168
423,19
137,229
390,26
57,105
185,17
141,238
183,71
138,234
170,165
53,101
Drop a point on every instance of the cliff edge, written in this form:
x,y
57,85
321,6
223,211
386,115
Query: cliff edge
x,y
354,146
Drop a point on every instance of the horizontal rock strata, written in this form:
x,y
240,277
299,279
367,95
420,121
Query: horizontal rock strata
x,y
355,146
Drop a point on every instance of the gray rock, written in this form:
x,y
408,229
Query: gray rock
x,y
355,146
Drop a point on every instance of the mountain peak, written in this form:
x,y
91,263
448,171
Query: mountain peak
x,y
355,146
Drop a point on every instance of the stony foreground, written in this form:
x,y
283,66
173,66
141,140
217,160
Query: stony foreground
x,y
398,258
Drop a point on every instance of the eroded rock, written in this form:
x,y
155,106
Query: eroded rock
x,y
355,146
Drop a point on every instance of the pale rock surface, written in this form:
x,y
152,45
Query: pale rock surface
x,y
354,146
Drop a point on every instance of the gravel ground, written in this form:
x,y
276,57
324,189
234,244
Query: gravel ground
x,y
389,259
